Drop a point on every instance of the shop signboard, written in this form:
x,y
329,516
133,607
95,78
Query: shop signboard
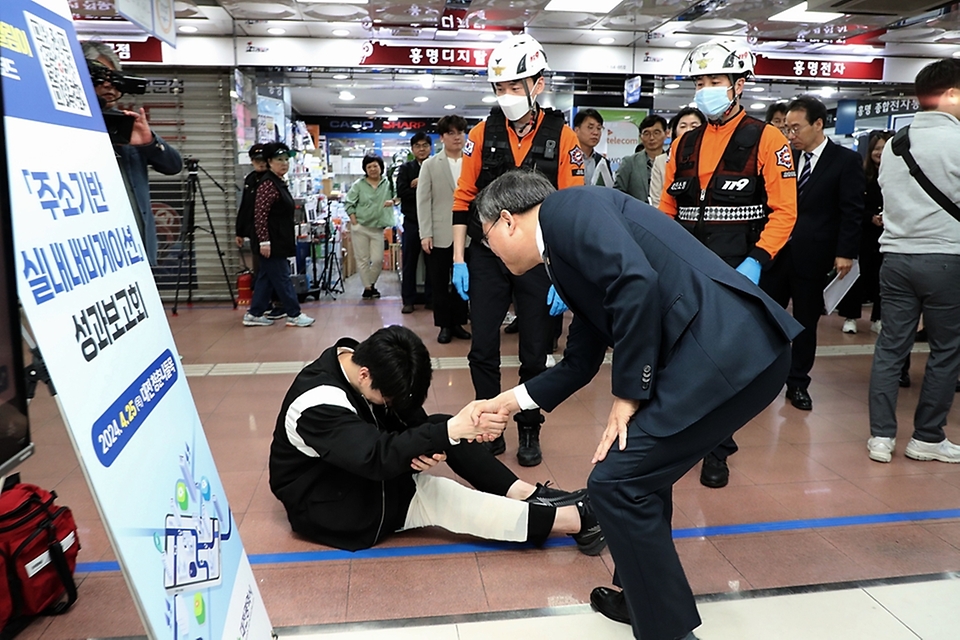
x,y
149,50
819,68
378,54
92,304
886,107
621,133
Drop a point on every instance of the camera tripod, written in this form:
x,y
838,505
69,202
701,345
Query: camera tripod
x,y
188,232
331,279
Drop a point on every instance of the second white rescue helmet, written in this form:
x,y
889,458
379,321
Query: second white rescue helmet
x,y
718,57
519,56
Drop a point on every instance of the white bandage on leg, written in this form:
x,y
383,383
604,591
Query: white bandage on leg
x,y
445,503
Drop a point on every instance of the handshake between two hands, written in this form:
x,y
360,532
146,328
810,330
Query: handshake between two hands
x,y
481,420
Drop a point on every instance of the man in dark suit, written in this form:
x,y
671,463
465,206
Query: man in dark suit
x,y
830,188
408,176
678,318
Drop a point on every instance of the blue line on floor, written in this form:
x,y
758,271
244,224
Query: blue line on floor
x,y
487,546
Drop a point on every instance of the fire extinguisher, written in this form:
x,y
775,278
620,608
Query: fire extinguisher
x,y
244,284
244,288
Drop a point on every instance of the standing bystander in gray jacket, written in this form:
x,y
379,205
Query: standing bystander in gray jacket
x,y
920,272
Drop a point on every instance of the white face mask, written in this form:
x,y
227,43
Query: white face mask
x,y
514,107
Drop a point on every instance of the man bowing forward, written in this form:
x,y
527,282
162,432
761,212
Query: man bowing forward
x,y
698,350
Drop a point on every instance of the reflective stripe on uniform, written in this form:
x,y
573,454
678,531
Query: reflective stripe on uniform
x,y
723,214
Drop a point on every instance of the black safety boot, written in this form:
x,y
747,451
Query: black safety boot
x,y
528,430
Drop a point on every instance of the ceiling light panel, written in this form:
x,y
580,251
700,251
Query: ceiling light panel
x,y
256,10
598,6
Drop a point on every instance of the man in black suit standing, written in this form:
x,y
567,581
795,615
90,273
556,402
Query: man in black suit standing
x,y
830,188
677,317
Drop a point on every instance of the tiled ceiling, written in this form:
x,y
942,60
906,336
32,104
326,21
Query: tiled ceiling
x,y
631,19
636,23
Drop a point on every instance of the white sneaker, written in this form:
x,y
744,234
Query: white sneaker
x,y
881,449
876,326
301,320
250,320
849,326
944,451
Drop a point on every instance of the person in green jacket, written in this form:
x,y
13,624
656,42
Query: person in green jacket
x,y
370,206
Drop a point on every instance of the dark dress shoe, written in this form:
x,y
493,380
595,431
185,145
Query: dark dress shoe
x,y
513,327
460,333
611,603
715,473
904,380
444,337
799,398
407,308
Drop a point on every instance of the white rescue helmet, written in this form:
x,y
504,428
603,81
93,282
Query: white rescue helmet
x,y
517,57
718,57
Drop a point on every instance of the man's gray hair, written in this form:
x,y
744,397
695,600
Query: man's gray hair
x,y
93,50
515,191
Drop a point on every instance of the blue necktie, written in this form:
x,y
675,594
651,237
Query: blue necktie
x,y
805,174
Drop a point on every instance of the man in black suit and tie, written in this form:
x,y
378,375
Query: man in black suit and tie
x,y
677,317
830,188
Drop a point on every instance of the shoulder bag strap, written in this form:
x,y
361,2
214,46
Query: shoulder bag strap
x,y
901,147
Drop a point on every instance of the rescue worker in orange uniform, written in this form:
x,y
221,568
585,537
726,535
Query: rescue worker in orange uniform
x,y
519,133
731,183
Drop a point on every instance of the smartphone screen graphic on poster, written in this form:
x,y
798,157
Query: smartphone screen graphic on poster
x,y
92,304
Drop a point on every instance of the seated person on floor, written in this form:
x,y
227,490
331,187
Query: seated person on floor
x,y
352,438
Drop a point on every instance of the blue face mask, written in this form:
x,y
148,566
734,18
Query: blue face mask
x,y
713,101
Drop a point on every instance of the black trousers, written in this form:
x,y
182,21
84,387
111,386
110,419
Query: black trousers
x,y
492,288
410,245
867,286
449,309
632,494
783,282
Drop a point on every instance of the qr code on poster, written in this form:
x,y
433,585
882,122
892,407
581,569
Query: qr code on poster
x,y
59,66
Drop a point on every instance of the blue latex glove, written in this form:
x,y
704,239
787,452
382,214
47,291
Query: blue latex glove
x,y
750,268
557,307
461,279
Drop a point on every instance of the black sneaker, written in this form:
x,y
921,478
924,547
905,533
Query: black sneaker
x,y
276,314
551,497
367,294
376,294
497,446
590,539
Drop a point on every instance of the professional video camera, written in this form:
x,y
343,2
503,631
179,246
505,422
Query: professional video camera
x,y
123,83
119,125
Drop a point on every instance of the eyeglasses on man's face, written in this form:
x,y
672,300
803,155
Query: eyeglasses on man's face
x,y
485,240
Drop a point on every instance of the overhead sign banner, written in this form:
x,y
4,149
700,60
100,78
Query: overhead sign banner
x,y
376,54
149,50
89,295
156,17
820,68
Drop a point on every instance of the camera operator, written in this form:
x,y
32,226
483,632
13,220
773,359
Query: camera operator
x,y
144,149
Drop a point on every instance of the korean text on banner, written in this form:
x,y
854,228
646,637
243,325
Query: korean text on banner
x,y
92,303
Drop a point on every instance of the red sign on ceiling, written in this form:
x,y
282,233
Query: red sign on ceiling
x,y
147,51
376,54
820,69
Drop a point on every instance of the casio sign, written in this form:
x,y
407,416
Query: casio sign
x,y
357,125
